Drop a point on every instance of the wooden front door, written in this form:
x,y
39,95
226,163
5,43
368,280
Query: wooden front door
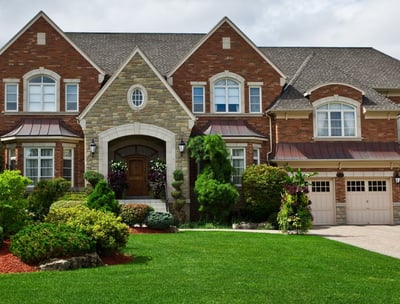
x,y
137,176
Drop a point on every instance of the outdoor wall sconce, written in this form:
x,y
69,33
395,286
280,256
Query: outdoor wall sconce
x,y
92,147
181,146
397,177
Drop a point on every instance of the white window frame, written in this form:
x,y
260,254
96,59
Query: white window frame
x,y
12,157
228,76
256,155
235,175
41,72
68,83
39,158
200,86
7,84
338,100
259,98
69,158
143,90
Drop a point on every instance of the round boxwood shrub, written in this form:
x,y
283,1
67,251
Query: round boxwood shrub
x,y
159,220
107,230
134,214
37,243
262,189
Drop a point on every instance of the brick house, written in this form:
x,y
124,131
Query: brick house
x,y
137,96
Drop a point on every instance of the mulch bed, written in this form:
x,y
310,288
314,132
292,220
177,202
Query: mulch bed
x,y
9,263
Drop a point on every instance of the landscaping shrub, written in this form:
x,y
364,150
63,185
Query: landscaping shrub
x,y
134,214
66,204
44,194
179,200
13,204
159,220
93,177
262,188
107,230
1,236
118,177
157,178
103,198
37,243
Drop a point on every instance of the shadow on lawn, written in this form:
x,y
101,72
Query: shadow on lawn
x,y
141,259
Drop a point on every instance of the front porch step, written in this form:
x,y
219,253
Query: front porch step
x,y
158,205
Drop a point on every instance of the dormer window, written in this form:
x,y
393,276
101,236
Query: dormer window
x,y
336,119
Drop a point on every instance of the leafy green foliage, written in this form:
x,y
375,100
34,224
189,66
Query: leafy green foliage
x,y
93,177
295,212
118,178
159,220
107,230
262,188
13,215
135,214
66,204
37,243
179,200
103,198
215,192
1,236
44,194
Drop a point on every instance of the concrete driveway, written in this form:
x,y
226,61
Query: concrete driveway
x,y
382,239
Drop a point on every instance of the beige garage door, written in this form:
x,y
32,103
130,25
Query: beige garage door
x,y
368,202
322,202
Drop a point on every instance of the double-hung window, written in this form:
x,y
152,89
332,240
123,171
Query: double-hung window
x,y
39,163
336,120
255,99
227,96
198,99
71,97
238,161
11,97
68,164
42,94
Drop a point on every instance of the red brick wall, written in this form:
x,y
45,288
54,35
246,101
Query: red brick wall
x,y
336,89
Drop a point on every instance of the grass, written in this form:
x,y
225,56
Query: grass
x,y
220,267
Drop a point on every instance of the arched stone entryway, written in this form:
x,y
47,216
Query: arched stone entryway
x,y
136,143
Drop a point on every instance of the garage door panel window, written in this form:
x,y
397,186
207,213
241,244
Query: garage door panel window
x,y
355,186
320,186
377,186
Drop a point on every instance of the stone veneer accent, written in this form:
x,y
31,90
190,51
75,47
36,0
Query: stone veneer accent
x,y
340,213
396,213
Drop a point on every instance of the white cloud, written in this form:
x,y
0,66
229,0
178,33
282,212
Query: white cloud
x,y
266,22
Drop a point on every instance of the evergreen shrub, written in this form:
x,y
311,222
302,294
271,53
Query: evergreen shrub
x,y
135,214
103,198
35,244
159,220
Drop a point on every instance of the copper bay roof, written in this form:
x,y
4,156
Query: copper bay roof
x,y
337,150
231,129
40,127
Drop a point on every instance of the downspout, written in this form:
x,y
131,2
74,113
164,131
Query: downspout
x,y
270,136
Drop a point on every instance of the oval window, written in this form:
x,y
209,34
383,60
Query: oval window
x,y
137,97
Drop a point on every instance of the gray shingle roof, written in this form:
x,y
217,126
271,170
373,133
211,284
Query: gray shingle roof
x,y
109,50
306,67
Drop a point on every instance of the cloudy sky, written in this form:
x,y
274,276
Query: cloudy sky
x,y
355,23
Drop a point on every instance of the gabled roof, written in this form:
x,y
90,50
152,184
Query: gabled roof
x,y
318,69
39,128
41,14
121,68
231,24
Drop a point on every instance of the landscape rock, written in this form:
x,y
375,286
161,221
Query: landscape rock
x,y
86,261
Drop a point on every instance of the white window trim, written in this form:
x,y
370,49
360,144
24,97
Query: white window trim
x,y
7,83
204,97
260,98
72,82
70,147
258,149
343,100
230,147
39,72
227,75
39,147
129,97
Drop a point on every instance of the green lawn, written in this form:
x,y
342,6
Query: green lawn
x,y
220,267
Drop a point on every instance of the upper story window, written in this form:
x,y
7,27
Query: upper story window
x,y
227,93
336,119
11,97
41,91
137,97
255,99
198,99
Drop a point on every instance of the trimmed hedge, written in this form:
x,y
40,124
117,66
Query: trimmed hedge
x,y
66,204
159,220
107,230
134,214
35,244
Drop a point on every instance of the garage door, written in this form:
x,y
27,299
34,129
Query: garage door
x,y
368,202
322,202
